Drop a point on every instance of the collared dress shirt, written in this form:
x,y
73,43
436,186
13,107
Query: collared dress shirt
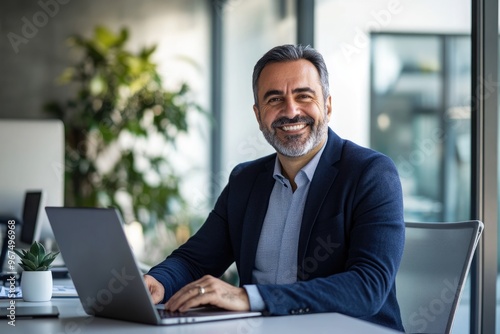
x,y
276,258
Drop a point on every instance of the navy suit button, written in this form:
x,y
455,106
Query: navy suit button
x,y
293,312
307,310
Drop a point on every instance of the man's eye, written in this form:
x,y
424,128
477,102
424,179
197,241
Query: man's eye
x,y
274,100
305,97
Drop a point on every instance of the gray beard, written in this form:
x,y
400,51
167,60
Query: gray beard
x,y
295,146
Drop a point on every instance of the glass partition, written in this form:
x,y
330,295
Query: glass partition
x,y
420,116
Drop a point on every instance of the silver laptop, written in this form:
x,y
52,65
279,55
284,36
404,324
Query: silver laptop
x,y
105,274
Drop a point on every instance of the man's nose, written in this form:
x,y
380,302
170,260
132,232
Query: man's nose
x,y
291,108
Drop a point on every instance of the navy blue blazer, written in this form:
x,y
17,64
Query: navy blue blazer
x,y
351,237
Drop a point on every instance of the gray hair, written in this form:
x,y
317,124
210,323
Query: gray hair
x,y
290,52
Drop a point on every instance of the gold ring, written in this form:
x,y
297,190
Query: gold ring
x,y
201,290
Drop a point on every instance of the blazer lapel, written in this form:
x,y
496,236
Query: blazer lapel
x,y
322,181
254,219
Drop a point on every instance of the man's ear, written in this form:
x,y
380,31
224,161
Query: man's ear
x,y
328,107
257,115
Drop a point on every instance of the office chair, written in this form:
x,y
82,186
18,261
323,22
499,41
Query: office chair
x,y
433,270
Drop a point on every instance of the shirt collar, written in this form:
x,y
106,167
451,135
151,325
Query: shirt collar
x,y
308,169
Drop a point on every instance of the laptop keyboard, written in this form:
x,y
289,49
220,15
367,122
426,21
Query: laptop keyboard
x,y
168,314
200,311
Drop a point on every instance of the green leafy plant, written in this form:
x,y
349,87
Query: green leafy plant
x,y
121,128
36,258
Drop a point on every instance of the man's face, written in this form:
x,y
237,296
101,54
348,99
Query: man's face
x,y
292,112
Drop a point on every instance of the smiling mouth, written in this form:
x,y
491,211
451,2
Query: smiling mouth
x,y
295,127
291,125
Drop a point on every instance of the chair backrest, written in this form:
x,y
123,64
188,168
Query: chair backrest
x,y
433,270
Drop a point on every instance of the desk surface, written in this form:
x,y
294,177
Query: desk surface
x,y
73,319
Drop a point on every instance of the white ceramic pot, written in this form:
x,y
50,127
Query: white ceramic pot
x,y
36,286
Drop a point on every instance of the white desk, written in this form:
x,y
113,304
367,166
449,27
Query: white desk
x,y
73,320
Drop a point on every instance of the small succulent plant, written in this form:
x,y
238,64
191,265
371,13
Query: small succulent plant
x,y
36,258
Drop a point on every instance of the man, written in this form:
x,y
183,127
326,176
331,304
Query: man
x,y
316,227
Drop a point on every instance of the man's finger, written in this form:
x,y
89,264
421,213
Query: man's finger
x,y
155,289
185,294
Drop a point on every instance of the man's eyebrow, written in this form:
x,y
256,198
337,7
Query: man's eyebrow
x,y
272,92
303,90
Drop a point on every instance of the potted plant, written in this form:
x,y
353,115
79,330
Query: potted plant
x,y
36,280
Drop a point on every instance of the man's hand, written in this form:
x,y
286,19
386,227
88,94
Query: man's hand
x,y
155,288
209,290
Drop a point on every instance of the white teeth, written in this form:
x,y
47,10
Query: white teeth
x,y
293,127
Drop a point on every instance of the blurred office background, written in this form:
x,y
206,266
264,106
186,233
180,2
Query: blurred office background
x,y
400,78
